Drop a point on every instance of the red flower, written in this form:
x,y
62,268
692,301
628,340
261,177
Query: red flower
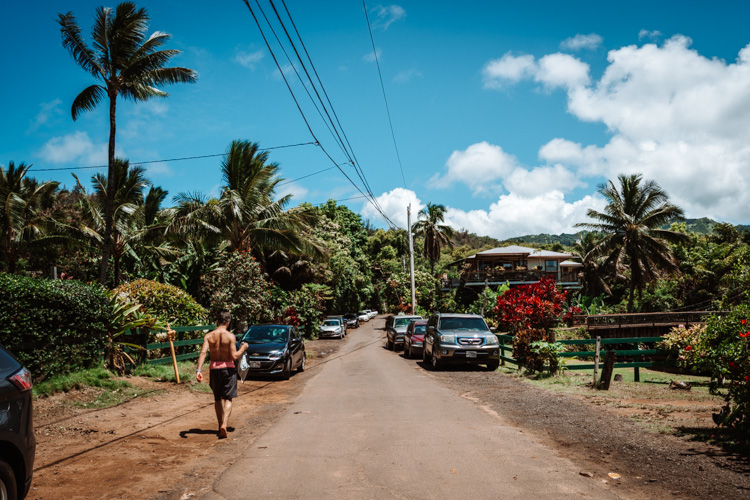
x,y
747,378
745,334
744,321
689,348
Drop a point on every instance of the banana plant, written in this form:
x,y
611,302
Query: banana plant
x,y
125,316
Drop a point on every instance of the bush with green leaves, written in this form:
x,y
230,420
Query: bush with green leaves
x,y
165,302
398,292
304,308
722,351
239,286
527,356
53,326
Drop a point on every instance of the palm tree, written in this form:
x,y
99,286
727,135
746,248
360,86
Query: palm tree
x,y
128,64
436,236
593,270
24,202
245,215
631,226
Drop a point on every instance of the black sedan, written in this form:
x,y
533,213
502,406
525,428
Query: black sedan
x,y
272,350
17,443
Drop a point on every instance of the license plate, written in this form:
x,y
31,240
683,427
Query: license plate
x,y
469,354
254,364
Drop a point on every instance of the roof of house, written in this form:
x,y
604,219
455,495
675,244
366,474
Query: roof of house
x,y
519,250
570,263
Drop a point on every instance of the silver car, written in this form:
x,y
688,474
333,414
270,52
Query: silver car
x,y
396,328
331,328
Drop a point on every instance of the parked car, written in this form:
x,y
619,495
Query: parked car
x,y
414,338
395,330
352,321
331,328
362,316
372,313
17,442
274,350
341,319
460,338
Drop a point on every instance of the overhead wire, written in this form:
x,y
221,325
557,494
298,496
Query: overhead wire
x,y
385,99
170,159
370,196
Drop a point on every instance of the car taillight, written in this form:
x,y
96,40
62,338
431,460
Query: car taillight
x,y
22,379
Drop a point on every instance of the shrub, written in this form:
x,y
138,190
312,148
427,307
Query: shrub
x,y
166,302
304,308
239,286
527,356
53,326
535,306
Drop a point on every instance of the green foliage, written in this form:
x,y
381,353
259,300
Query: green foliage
x,y
93,377
523,352
52,326
239,286
165,302
722,350
304,308
548,353
398,292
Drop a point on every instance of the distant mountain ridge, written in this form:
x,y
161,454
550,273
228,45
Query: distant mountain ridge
x,y
701,226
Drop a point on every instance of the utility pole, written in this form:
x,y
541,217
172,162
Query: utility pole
x,y
411,261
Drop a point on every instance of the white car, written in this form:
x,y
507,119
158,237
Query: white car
x,y
363,316
373,314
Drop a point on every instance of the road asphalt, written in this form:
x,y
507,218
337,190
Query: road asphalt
x,y
373,425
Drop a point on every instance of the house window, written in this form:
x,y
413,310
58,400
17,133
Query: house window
x,y
550,265
508,266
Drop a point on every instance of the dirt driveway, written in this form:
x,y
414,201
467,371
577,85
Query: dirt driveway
x,y
162,444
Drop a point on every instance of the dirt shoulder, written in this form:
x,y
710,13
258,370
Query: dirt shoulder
x,y
604,439
161,444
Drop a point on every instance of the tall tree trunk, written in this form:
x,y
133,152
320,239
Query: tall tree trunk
x,y
110,199
632,294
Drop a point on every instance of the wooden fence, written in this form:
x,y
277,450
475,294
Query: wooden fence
x,y
506,345
182,346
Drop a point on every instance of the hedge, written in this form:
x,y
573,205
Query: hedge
x,y
166,302
52,326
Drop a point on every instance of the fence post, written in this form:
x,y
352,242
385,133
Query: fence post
x,y
596,360
502,351
636,369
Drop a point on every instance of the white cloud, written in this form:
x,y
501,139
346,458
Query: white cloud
x,y
508,69
580,42
673,115
515,215
297,191
480,167
651,35
562,70
47,110
406,76
385,15
394,204
248,58
76,147
541,180
370,56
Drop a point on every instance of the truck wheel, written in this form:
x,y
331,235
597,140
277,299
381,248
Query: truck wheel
x,y
493,365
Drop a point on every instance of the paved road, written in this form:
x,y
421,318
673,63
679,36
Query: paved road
x,y
373,425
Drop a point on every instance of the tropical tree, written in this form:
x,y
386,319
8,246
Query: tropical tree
x,y
246,215
632,230
436,235
22,219
593,270
128,63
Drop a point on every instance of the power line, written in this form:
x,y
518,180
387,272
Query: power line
x,y
171,159
385,99
369,195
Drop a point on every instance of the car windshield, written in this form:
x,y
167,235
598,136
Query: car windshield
x,y
266,334
419,329
331,322
463,324
401,322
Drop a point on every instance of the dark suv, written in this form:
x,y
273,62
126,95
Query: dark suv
x,y
17,443
460,338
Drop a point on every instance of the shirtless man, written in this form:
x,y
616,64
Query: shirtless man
x,y
221,343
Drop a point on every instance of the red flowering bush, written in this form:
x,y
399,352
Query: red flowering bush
x,y
528,312
537,306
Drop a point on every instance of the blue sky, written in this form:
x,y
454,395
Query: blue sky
x,y
508,113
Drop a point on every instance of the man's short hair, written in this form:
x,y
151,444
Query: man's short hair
x,y
223,318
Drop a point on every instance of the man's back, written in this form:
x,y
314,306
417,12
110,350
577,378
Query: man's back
x,y
220,343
